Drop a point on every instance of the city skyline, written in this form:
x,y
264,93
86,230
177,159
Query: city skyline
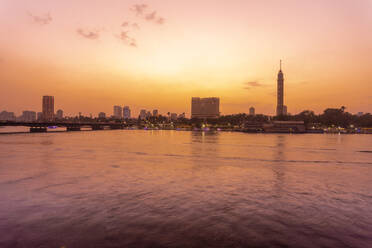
x,y
207,107
104,57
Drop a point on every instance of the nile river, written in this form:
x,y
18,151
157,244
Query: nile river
x,y
185,189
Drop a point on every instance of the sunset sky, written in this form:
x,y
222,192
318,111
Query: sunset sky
x,y
157,54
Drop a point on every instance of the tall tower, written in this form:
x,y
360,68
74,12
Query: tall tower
x,y
280,93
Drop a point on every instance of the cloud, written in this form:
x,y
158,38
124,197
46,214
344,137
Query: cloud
x,y
88,34
124,35
42,20
135,26
139,9
126,39
133,43
253,84
151,16
160,20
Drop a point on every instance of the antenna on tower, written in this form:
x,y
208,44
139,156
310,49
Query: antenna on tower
x,y
280,64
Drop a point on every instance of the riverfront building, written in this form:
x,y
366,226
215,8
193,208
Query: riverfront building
x,y
252,111
101,115
142,114
59,114
205,107
118,112
126,112
28,116
7,116
285,127
39,116
48,108
173,116
284,110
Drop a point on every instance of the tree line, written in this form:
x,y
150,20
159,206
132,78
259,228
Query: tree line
x,y
330,117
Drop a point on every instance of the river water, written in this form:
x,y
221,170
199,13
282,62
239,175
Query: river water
x,y
138,188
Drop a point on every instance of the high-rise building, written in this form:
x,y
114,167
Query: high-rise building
x,y
252,111
126,112
48,108
142,114
118,112
101,115
155,112
205,107
284,110
280,93
7,116
28,116
59,114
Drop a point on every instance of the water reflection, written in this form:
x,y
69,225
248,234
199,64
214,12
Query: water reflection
x,y
204,137
204,144
279,165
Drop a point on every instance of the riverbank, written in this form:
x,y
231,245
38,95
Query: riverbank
x,y
23,130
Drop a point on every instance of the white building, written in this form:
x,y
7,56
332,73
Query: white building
x,y
7,116
28,116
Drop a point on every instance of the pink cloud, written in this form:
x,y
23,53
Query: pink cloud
x,y
88,34
42,20
126,39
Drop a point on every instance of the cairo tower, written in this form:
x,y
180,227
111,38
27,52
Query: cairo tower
x,y
280,108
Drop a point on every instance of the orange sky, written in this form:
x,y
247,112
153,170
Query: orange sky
x,y
93,54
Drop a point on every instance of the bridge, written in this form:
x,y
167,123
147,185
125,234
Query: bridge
x,y
70,126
